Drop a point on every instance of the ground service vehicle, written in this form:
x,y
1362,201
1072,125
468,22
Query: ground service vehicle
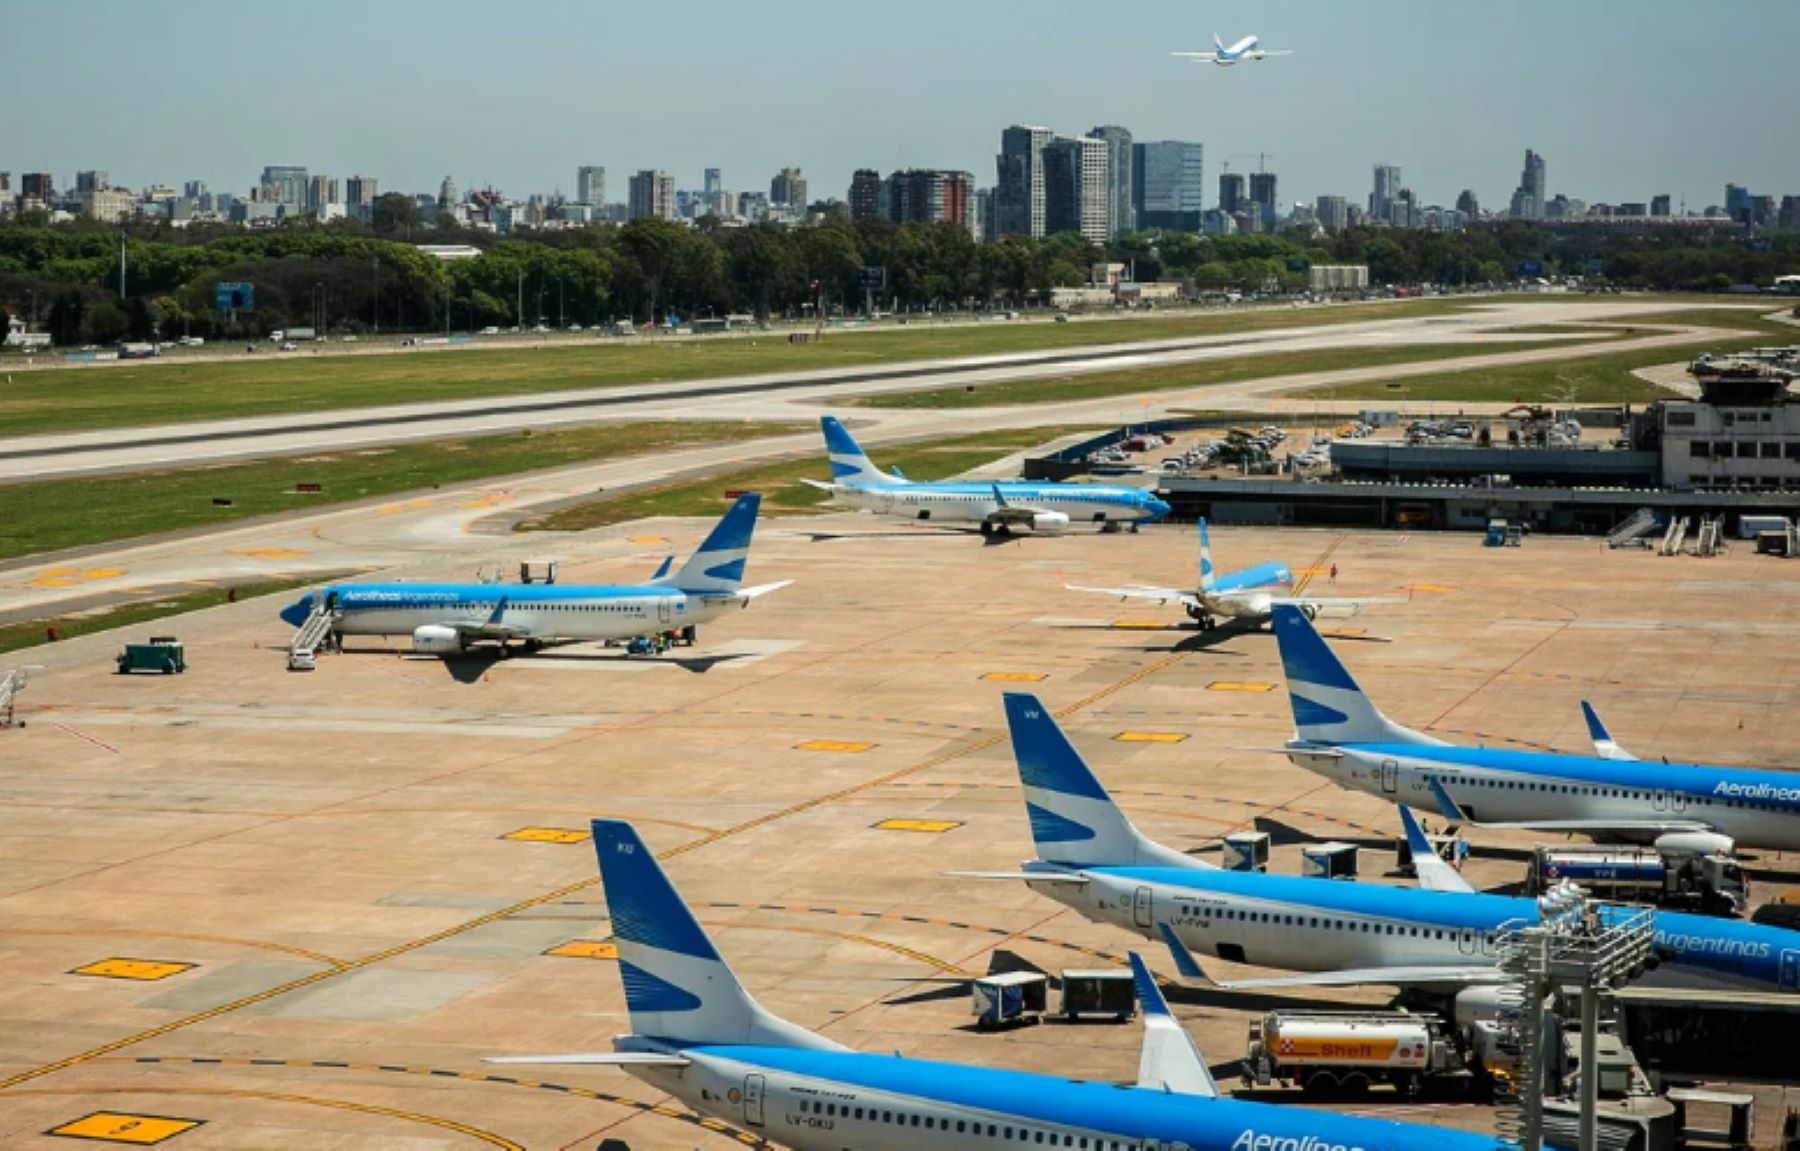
x,y
1345,1052
163,653
1711,884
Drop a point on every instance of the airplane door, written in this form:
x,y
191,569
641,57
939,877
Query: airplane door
x,y
1465,941
1390,776
1677,801
1140,907
884,501
753,1100
1659,800
1790,970
662,609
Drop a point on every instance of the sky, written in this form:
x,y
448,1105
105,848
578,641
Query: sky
x,y
1624,98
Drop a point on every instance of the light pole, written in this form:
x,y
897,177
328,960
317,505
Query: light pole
x,y
375,306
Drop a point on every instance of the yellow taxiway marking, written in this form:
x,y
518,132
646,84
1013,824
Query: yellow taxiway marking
x,y
1344,632
123,1127
146,970
268,553
547,835
1140,624
647,539
1016,676
931,826
832,745
1228,685
1150,737
102,573
1431,587
585,949
43,582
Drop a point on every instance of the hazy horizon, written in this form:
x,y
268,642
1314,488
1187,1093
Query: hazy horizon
x,y
1669,96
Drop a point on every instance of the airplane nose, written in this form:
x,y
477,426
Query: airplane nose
x,y
1158,508
295,613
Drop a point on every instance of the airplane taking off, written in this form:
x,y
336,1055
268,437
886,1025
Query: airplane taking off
x,y
1680,807
1248,594
1442,940
698,1035
1045,508
445,618
1245,49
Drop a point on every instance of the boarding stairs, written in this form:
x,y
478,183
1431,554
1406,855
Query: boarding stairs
x,y
1712,536
1675,536
1632,531
313,633
11,684
1793,541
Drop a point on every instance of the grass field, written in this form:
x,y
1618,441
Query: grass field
x,y
31,633
783,493
1604,379
85,399
1149,381
75,513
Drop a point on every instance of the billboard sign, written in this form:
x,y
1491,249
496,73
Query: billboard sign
x,y
229,297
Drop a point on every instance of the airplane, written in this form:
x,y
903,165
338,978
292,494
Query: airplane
x,y
697,1034
1247,595
446,618
1441,941
1045,508
1245,49
1679,807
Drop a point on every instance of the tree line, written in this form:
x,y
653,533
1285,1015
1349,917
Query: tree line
x,y
367,277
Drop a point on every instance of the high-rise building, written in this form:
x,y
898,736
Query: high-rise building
x,y
38,186
1762,211
1468,204
788,188
1168,185
1660,205
865,194
194,190
287,183
652,193
1387,183
1019,186
363,191
1231,193
107,205
92,181
446,198
590,185
1075,188
713,182
1737,203
1332,212
1529,198
323,190
1120,202
929,196
1787,219
1262,190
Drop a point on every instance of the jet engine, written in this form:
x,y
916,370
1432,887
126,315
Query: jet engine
x,y
436,639
1694,843
1049,523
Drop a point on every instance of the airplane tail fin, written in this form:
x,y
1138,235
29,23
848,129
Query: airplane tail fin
x,y
848,463
1207,576
718,565
1073,820
1328,706
678,988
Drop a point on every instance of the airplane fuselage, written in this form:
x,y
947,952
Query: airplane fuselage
x,y
1301,924
965,503
1247,594
814,1100
539,611
1759,809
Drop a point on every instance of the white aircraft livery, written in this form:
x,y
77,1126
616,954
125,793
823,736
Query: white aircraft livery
x,y
1687,807
1249,594
1045,508
698,1035
1442,940
445,618
1243,50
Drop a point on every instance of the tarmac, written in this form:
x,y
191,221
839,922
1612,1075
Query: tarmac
x,y
248,908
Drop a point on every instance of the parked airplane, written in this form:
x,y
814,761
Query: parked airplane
x,y
1248,594
1441,940
698,1035
445,618
1688,807
1245,49
1002,505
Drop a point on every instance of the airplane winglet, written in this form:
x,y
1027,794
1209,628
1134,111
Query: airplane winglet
x,y
1185,964
1170,1060
663,570
998,498
499,610
1434,874
1447,807
1604,744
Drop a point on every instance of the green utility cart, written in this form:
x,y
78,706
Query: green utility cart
x,y
163,653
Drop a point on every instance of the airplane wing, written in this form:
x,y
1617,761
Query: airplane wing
x,y
750,593
1454,812
1198,57
602,1059
1604,745
1170,1060
822,485
1326,601
492,627
1434,874
1140,591
1190,968
1068,877
1005,513
1283,52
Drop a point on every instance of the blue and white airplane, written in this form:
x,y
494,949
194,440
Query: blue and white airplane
x,y
1001,505
445,618
1249,594
1680,807
1441,940
698,1035
1245,49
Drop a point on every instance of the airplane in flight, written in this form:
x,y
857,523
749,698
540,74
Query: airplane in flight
x,y
1245,49
697,1034
1442,940
996,506
446,618
1612,795
1244,595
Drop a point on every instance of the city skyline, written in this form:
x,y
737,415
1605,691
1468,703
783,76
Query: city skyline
x,y
1615,129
